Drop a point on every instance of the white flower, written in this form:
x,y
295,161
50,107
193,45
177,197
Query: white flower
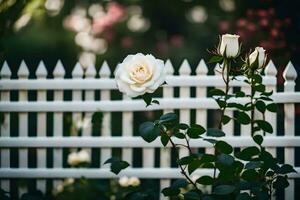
x,y
124,181
84,156
231,44
73,159
259,54
76,158
134,181
69,181
139,74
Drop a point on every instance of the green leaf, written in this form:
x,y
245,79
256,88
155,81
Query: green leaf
x,y
116,167
266,98
179,183
267,93
216,92
223,189
225,119
269,160
191,196
272,107
253,165
258,139
250,175
205,158
185,160
195,131
168,118
183,126
147,97
243,196
248,153
240,94
116,164
179,135
243,118
237,105
212,141
214,132
155,102
193,166
205,180
215,59
286,168
225,159
265,126
111,160
221,103
260,106
224,147
164,138
149,131
281,182
257,78
260,88
169,191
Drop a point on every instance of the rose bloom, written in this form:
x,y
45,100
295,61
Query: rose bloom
x,y
124,181
76,158
259,55
230,43
139,74
134,181
73,159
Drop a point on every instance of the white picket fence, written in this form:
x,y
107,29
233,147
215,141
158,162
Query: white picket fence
x,y
84,85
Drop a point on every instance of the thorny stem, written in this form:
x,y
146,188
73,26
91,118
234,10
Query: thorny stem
x,y
252,105
181,168
226,70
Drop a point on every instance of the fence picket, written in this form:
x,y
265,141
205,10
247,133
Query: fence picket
x,y
106,119
201,92
41,73
23,73
184,92
58,73
165,153
127,141
90,73
5,73
77,120
271,71
290,75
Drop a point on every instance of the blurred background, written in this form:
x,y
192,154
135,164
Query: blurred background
x,y
92,31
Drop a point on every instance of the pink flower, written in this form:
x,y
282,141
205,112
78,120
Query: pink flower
x,y
115,13
177,41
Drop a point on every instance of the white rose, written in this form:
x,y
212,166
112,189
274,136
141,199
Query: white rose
x,y
69,181
139,74
134,181
84,156
73,159
259,54
124,181
231,44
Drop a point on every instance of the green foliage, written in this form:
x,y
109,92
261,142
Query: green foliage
x,y
116,165
223,189
214,132
149,131
252,168
205,180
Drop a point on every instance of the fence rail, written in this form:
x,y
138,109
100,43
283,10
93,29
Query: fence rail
x,y
89,94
